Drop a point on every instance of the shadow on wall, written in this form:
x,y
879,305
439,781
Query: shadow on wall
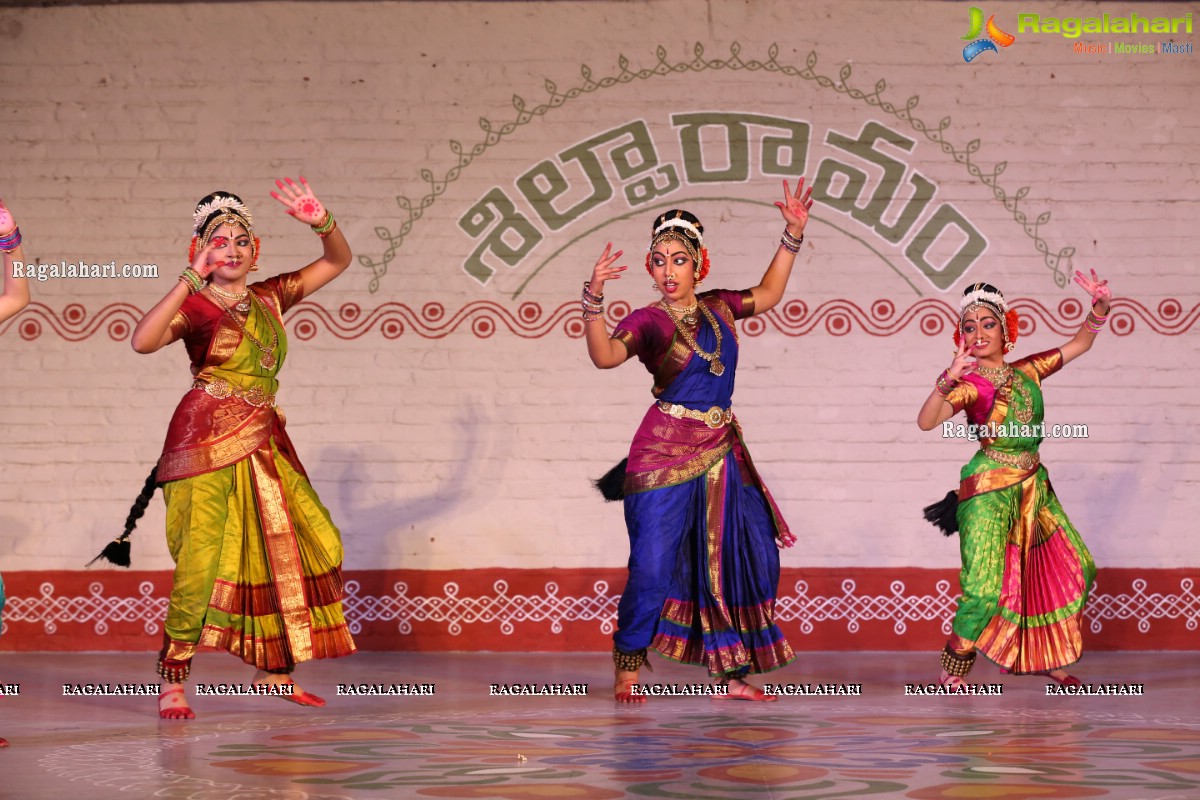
x,y
11,531
19,539
1129,501
362,473
1120,497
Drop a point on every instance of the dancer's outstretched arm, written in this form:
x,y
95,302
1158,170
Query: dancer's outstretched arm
x,y
16,289
604,351
794,208
1082,341
302,203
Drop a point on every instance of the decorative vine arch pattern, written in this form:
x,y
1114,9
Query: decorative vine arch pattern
x,y
493,134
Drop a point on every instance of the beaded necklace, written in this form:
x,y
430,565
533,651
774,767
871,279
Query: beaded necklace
x,y
241,300
268,353
714,358
1004,377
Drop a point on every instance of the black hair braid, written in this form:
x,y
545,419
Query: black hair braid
x,y
118,550
140,504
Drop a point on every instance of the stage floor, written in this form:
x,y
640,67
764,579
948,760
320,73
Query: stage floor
x,y
462,742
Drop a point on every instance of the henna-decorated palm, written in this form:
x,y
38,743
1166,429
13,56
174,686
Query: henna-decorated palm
x,y
300,201
7,223
1097,288
795,206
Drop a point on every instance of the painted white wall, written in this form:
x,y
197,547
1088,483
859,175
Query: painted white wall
x,y
467,451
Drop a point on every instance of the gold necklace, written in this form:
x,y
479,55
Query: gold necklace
x,y
268,357
1004,376
714,358
1024,415
241,300
688,315
996,376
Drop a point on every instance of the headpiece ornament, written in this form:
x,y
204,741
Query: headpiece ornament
x,y
216,209
984,295
685,228
232,206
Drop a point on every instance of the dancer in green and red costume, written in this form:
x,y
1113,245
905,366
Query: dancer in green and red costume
x,y
1026,572
257,558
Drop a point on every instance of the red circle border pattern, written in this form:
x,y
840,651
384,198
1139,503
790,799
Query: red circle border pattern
x,y
486,318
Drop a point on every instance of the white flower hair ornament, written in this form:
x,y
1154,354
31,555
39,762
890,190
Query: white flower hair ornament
x,y
227,204
680,223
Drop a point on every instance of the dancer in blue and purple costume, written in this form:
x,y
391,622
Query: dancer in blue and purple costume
x,y
703,529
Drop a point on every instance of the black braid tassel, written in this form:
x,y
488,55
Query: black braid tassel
x,y
944,513
119,550
612,484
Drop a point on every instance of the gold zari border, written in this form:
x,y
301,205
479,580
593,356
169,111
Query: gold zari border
x,y
213,455
283,553
991,481
679,473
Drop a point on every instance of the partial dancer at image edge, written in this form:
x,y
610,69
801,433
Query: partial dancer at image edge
x,y
14,298
704,532
1026,572
258,560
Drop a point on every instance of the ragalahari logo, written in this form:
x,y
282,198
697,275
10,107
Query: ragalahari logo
x,y
995,36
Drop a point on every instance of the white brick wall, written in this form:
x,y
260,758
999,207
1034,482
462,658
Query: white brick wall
x,y
470,452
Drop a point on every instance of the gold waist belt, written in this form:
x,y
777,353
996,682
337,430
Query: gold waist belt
x,y
1019,460
715,417
221,388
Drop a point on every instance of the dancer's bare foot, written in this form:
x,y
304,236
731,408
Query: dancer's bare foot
x,y
173,704
623,687
740,690
952,682
298,695
1064,678
1059,676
